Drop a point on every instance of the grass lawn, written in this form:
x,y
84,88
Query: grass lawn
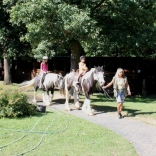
x,y
68,136
135,107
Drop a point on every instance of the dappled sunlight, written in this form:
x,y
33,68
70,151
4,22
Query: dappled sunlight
x,y
134,106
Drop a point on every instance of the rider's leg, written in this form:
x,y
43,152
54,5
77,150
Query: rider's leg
x,y
41,81
80,74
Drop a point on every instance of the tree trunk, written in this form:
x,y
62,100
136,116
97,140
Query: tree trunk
x,y
7,73
75,54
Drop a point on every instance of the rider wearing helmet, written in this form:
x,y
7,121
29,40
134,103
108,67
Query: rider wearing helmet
x,y
43,69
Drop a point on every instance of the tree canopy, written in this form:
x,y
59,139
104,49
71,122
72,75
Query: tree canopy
x,y
10,45
102,28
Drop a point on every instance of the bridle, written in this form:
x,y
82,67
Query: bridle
x,y
99,77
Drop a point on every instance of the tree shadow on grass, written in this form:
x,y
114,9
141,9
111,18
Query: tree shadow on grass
x,y
62,101
130,112
136,99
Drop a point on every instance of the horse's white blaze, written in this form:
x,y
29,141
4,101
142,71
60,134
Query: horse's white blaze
x,y
100,78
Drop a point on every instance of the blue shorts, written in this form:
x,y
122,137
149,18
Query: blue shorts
x,y
120,96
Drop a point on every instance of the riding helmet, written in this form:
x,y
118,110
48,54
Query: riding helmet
x,y
45,57
82,57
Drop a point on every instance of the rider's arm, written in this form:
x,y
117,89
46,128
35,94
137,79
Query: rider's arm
x,y
82,66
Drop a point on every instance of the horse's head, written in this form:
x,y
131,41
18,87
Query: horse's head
x,y
99,75
60,81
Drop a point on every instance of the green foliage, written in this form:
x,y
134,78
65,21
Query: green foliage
x,y
104,28
52,26
127,29
10,44
14,104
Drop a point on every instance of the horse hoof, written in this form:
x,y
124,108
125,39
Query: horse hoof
x,y
47,103
67,109
83,109
77,106
91,114
93,110
34,101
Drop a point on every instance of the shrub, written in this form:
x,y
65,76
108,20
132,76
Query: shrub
x,y
15,104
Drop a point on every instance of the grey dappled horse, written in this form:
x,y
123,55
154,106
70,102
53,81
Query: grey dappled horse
x,y
51,81
87,82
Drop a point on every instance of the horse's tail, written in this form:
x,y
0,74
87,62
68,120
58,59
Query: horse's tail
x,y
62,88
25,85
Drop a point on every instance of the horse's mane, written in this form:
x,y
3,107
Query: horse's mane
x,y
92,70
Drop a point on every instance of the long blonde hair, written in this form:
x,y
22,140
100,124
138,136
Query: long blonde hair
x,y
117,72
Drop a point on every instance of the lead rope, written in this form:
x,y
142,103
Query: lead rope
x,y
107,95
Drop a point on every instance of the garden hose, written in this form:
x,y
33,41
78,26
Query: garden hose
x,y
38,144
31,131
24,134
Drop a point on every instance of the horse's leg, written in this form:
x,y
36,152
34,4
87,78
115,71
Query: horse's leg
x,y
47,102
86,107
51,95
76,100
43,97
67,107
35,90
90,111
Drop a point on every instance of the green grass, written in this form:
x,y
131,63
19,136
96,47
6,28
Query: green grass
x,y
70,136
134,106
